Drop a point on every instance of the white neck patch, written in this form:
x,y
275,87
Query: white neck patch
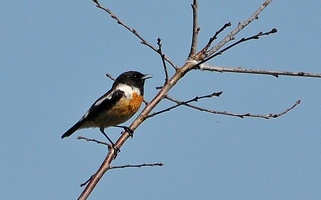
x,y
128,90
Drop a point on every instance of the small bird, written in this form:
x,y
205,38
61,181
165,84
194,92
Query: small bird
x,y
118,105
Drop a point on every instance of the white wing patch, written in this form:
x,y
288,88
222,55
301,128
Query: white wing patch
x,y
103,99
98,103
85,115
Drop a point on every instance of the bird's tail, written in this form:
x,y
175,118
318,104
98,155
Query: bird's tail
x,y
73,129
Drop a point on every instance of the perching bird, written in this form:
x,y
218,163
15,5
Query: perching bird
x,y
119,104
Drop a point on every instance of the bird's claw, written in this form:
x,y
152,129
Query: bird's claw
x,y
129,131
115,148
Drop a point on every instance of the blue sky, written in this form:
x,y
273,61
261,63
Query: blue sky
x,y
54,56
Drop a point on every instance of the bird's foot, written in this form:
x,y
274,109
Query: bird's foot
x,y
128,130
115,148
112,144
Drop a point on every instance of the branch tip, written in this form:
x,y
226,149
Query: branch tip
x,y
137,166
237,29
276,74
110,77
179,103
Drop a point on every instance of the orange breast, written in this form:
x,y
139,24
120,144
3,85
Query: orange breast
x,y
121,112
135,102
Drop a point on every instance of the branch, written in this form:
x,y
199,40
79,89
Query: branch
x,y
255,71
133,31
196,29
266,116
137,166
201,55
163,59
254,37
240,26
215,94
93,140
126,166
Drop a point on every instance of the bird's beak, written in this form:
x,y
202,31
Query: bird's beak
x,y
147,76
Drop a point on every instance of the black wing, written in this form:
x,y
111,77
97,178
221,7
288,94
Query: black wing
x,y
102,104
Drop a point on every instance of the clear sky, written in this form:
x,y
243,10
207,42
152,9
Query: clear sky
x,y
53,59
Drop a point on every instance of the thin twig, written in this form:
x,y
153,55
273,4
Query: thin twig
x,y
201,55
215,94
85,183
256,71
254,37
163,59
137,166
266,116
132,30
127,166
240,26
93,140
110,77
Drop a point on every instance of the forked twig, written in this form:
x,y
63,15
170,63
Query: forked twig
x,y
126,166
215,94
254,37
266,116
93,140
201,55
240,26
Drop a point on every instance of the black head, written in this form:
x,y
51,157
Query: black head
x,y
132,78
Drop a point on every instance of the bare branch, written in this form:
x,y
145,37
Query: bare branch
x,y
240,26
215,94
126,166
196,29
286,111
163,59
93,140
137,166
254,37
201,55
133,31
257,36
255,71
266,116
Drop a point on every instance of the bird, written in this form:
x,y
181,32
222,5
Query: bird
x,y
116,106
